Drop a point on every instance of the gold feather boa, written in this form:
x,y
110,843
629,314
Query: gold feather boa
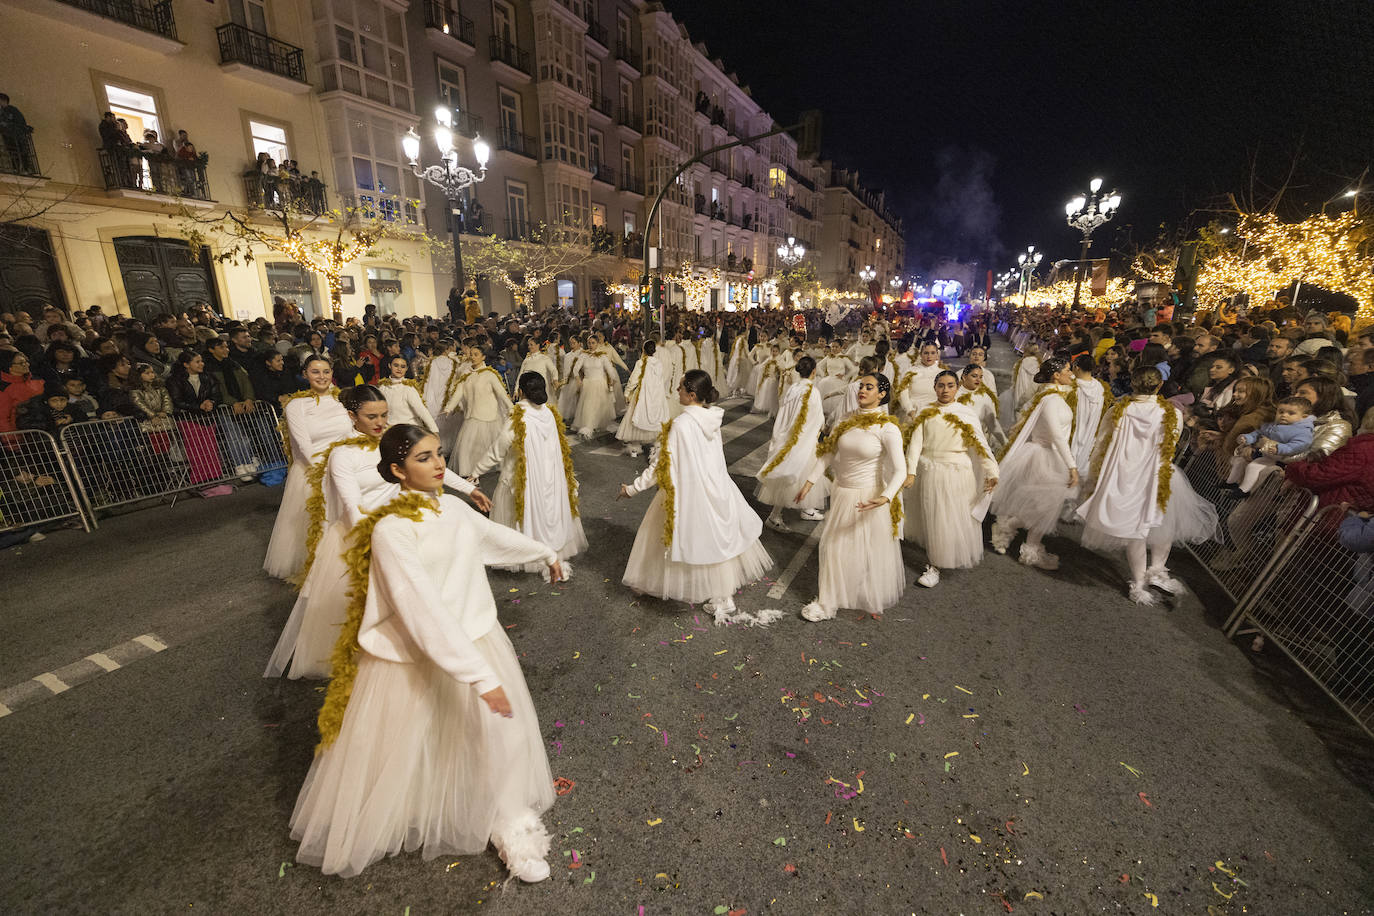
x,y
663,476
344,660
1045,390
797,426
1167,446
405,381
454,380
518,475
864,421
966,432
966,396
281,424
314,505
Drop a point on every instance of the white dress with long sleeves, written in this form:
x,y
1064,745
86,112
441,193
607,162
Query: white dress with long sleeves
x,y
740,366
1124,504
915,391
1023,385
547,513
983,406
596,404
759,355
647,409
420,760
572,388
312,425
404,405
715,546
780,482
483,401
441,371
1092,398
949,483
1034,480
769,384
541,363
860,556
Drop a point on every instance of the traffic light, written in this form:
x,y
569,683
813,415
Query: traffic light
x,y
658,293
644,296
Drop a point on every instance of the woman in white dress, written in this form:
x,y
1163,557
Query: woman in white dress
x,y
975,395
439,381
596,404
537,493
792,451
537,360
860,548
759,355
740,366
647,409
482,400
314,418
404,401
699,540
1038,471
1139,499
944,518
1089,399
770,379
978,356
569,387
428,736
1023,384
916,390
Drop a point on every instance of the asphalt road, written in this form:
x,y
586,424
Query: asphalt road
x,y
1013,740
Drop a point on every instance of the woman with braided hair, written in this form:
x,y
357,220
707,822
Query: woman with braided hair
x,y
1038,470
943,517
428,736
860,549
1139,500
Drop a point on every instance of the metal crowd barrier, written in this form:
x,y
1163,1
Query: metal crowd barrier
x,y
117,462
35,486
1316,603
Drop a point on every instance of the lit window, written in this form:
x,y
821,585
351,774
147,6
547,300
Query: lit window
x,y
269,139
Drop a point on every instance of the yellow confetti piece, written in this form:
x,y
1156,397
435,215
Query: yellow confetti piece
x,y
1132,770
951,754
1025,770
451,866
910,718
1154,901
925,696
663,875
1033,895
964,689
857,828
577,655
971,715
721,652
1228,872
654,727
1222,892
860,790
514,590
655,822
976,838
861,696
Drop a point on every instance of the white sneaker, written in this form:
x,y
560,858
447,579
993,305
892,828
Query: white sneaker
x,y
1037,556
930,578
777,524
632,452
1140,593
37,536
1160,579
815,613
812,515
586,433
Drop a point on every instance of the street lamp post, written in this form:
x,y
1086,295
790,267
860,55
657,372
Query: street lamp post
x,y
448,176
1086,214
790,255
867,275
1027,262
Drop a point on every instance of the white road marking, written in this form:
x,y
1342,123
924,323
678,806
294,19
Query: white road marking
x,y
751,463
151,641
736,428
803,553
104,661
52,682
4,710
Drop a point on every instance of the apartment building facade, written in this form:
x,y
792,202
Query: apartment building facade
x,y
858,231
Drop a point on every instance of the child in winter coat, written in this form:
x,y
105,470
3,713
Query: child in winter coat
x,y
1262,450
150,396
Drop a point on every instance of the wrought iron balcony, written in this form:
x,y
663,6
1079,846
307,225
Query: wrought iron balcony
x,y
632,183
17,155
132,169
511,55
441,17
467,125
624,52
628,118
267,192
603,173
522,144
603,104
518,230
597,33
239,45
149,15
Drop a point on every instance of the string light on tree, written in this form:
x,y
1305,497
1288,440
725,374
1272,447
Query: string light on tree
x,y
697,289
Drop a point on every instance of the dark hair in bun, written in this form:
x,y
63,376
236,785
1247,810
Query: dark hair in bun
x,y
649,348
698,384
884,386
355,397
534,388
396,445
950,372
805,366
1049,368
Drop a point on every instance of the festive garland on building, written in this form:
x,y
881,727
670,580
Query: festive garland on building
x,y
663,476
315,505
797,426
281,424
358,558
1045,390
1168,444
518,476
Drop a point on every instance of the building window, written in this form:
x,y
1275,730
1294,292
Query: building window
x,y
565,134
627,161
453,85
369,56
510,112
593,78
560,52
269,139
503,21
251,14
138,109
517,209
629,222
571,205
622,29
594,148
599,215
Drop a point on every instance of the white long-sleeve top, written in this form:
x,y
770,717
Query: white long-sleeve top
x,y
917,388
315,423
441,368
1023,385
428,595
858,351
986,412
941,441
481,396
548,515
836,367
865,457
404,405
569,364
1088,405
1050,426
540,362
353,486
799,459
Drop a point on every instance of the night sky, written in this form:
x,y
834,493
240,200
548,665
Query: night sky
x,y
981,119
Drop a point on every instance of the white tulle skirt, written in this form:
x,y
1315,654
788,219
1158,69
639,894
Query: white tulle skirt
x,y
938,514
860,558
617,394
567,400
286,549
422,762
307,641
628,432
475,439
782,491
1032,487
503,513
1188,519
766,396
449,424
755,374
649,570
596,408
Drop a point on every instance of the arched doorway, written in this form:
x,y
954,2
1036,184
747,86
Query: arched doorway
x,y
28,275
161,275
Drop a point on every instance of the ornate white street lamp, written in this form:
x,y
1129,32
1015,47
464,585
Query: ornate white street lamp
x,y
1086,214
448,176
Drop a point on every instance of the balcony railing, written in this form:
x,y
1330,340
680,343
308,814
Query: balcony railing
x,y
239,45
268,192
467,125
603,173
132,169
441,17
523,144
632,183
627,118
518,229
17,155
597,33
510,55
603,104
385,208
624,52
149,15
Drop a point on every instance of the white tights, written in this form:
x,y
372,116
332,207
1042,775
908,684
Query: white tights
x,y
1136,557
